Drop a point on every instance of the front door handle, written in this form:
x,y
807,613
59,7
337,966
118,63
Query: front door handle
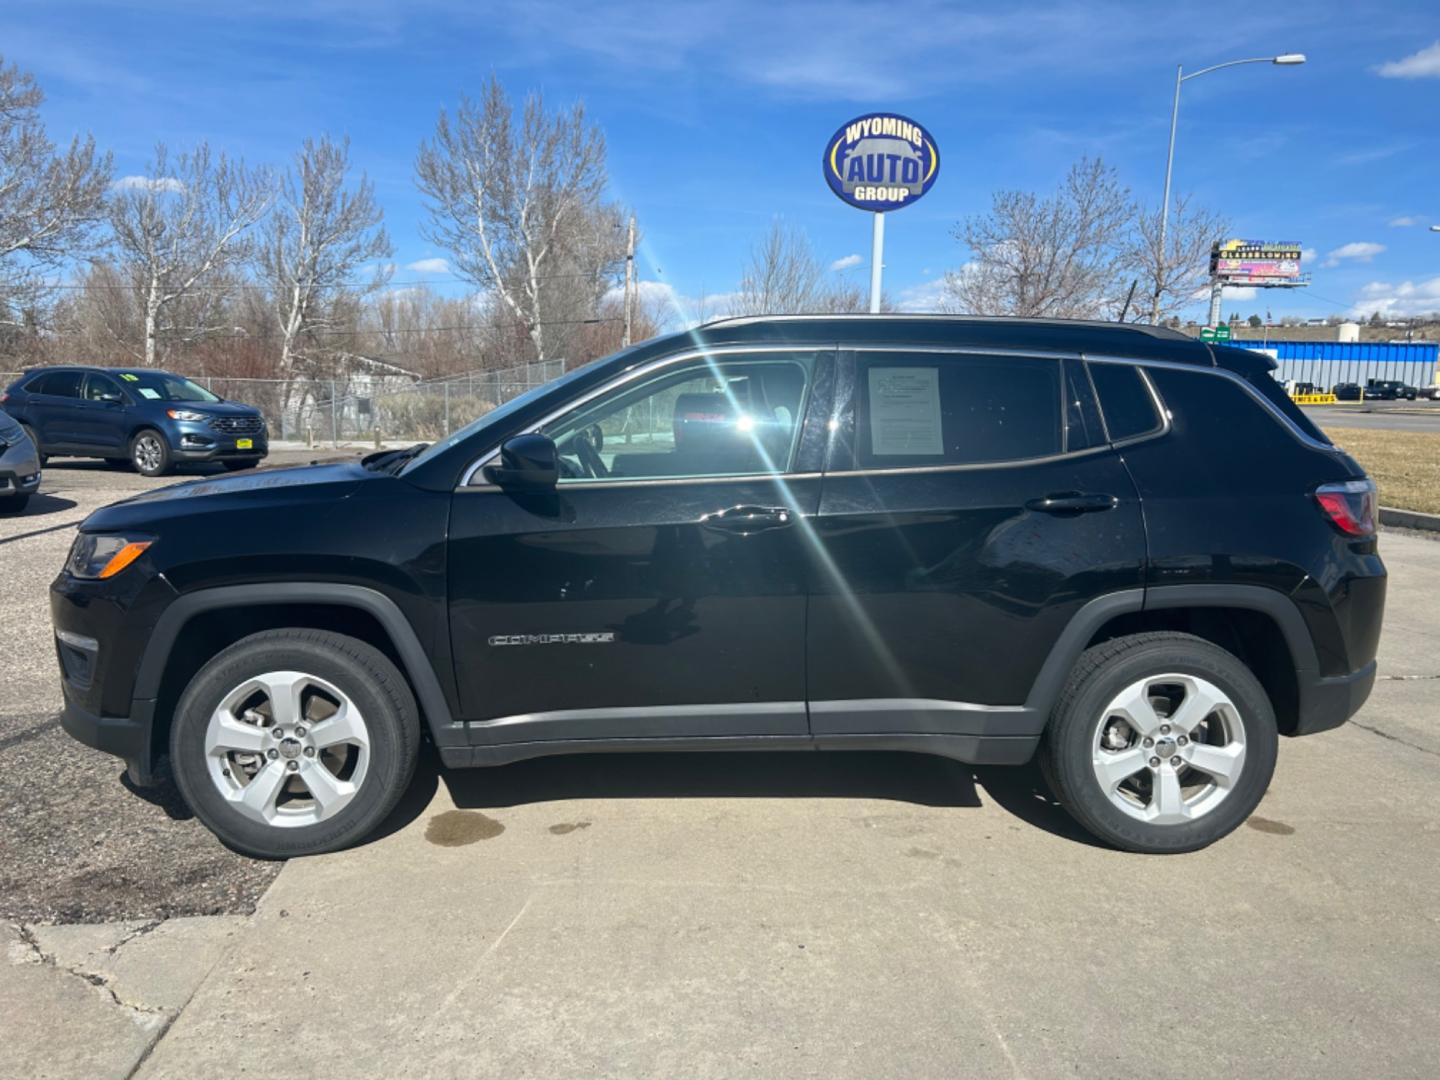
x,y
1073,502
745,520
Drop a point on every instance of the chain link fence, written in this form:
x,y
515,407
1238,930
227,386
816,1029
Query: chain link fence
x,y
374,406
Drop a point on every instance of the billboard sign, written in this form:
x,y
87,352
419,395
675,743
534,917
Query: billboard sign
x,y
881,162
1256,262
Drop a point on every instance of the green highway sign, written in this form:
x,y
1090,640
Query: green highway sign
x,y
1219,333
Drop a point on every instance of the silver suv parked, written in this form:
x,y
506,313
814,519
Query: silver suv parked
x,y
19,466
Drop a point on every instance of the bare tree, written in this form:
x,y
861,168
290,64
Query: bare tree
x,y
1052,257
784,276
1171,278
506,198
181,231
317,238
50,202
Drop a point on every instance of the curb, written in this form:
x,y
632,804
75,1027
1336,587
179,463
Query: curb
x,y
1409,519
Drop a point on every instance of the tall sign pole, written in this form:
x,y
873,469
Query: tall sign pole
x,y
630,284
880,162
877,261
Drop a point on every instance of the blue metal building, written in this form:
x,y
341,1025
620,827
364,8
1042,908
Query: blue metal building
x,y
1326,363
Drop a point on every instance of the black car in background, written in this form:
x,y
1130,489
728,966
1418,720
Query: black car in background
x,y
1112,546
150,419
1388,390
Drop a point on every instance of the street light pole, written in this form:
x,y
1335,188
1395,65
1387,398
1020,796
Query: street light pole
x,y
1284,59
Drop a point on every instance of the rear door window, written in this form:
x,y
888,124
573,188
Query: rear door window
x,y
58,384
1125,400
955,409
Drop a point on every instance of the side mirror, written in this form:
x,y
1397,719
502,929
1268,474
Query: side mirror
x,y
110,397
527,462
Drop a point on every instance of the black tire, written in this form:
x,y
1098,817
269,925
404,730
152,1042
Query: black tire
x,y
1071,737
363,674
149,453
30,432
14,504
238,466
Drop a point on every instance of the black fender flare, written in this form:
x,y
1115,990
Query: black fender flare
x,y
1096,613
414,662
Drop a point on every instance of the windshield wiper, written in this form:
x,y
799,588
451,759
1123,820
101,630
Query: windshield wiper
x,y
392,460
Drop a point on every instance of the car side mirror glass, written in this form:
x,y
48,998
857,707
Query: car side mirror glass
x,y
527,462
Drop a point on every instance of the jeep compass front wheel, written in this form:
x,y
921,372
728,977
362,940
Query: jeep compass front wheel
x,y
1161,742
294,742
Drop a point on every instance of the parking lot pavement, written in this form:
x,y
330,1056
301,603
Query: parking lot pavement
x,y
862,915
1389,416
78,845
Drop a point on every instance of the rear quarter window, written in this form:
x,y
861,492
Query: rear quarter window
x,y
1125,401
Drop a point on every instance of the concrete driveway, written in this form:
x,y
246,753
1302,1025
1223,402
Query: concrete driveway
x,y
861,915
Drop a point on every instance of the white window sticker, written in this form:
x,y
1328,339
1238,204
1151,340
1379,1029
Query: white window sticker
x,y
146,392
905,411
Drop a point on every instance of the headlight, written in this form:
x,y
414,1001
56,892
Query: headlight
x,y
103,555
187,414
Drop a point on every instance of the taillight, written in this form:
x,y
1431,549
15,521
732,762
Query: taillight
x,y
1349,506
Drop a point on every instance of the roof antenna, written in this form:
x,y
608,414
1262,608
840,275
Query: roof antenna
x,y
1126,309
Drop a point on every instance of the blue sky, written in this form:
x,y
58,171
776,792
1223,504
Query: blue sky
x,y
716,113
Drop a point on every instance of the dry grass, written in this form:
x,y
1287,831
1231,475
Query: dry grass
x,y
1405,464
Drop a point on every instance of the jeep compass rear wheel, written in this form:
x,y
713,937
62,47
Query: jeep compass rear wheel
x,y
1161,743
294,742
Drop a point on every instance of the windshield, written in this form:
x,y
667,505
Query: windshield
x,y
494,416
157,386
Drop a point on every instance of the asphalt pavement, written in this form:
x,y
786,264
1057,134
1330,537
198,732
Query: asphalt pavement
x,y
1384,415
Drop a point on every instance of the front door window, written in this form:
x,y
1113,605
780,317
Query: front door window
x,y
707,417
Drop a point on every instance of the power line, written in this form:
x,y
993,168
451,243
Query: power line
x,y
269,335
257,286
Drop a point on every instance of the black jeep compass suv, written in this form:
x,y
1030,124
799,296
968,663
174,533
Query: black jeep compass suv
x,y
1113,546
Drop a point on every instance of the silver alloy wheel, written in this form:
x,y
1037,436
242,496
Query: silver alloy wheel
x,y
287,749
148,452
1168,749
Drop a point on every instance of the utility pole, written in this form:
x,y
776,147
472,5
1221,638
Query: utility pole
x,y
630,284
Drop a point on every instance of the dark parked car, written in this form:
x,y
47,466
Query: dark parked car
x,y
1120,548
151,419
1348,391
1388,390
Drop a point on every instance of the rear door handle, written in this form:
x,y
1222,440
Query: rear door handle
x,y
744,520
1073,502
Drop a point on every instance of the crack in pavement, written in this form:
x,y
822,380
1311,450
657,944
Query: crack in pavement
x,y
146,1016
1395,738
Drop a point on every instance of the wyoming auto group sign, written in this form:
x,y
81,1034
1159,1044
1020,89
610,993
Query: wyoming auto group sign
x,y
881,162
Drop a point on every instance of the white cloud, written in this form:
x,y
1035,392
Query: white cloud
x,y
1404,299
148,183
1424,64
1309,255
1404,221
429,266
847,263
1359,251
927,296
1237,292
